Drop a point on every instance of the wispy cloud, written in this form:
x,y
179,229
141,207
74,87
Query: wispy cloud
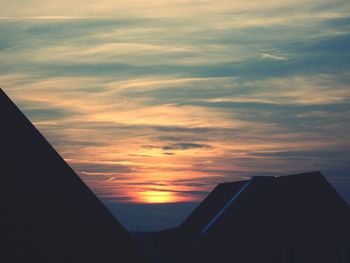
x,y
186,146
155,8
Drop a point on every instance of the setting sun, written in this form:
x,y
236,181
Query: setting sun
x,y
157,197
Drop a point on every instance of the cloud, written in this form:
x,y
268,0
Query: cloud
x,y
105,167
165,8
185,146
271,56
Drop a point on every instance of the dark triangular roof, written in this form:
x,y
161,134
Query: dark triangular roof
x,y
306,196
272,215
47,213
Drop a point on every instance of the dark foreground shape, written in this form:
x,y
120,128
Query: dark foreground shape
x,y
288,219
47,213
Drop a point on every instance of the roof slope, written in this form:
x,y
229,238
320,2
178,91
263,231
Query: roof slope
x,y
273,212
210,206
47,213
292,198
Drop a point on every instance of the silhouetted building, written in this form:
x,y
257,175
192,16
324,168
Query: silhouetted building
x,y
288,219
47,213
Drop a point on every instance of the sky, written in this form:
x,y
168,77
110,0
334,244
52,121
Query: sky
x,y
155,102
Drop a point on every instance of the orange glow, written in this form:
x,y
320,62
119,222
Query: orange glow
x,y
154,197
161,197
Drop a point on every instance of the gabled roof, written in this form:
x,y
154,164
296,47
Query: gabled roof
x,y
299,197
47,213
275,213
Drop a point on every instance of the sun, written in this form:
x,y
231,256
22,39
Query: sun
x,y
157,197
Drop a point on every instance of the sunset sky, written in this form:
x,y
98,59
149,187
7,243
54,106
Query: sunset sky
x,y
155,102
